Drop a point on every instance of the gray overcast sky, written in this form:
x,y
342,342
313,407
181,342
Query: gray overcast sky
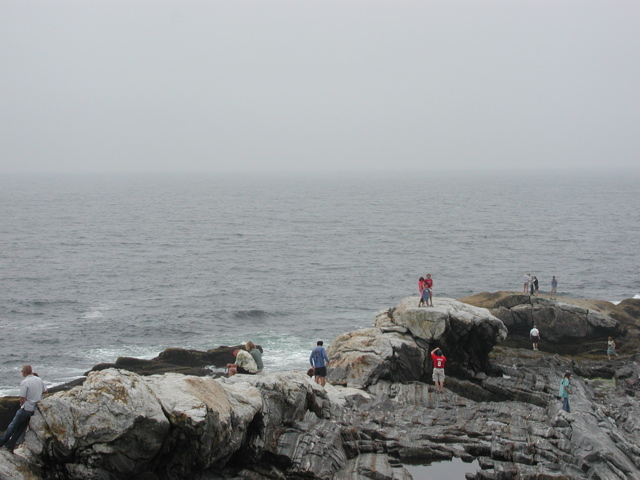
x,y
101,86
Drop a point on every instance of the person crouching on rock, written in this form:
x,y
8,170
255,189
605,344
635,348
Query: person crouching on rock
x,y
438,369
244,363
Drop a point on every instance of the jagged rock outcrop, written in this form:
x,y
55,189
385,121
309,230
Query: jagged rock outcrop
x,y
119,425
567,326
278,426
397,348
175,360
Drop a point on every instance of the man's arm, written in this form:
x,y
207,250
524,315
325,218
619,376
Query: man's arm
x,y
435,350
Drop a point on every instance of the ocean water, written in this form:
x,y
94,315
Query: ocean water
x,y
97,267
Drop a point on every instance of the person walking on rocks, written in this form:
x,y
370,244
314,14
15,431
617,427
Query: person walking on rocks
x,y
534,335
32,388
526,280
564,392
428,284
611,348
554,287
439,361
319,361
244,363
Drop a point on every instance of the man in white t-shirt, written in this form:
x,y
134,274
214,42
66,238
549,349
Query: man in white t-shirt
x,y
526,280
534,335
31,390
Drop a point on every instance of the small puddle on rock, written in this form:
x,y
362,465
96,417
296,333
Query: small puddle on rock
x,y
454,469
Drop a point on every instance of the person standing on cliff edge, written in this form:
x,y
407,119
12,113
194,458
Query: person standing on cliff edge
x,y
428,288
32,389
439,361
421,290
319,361
525,281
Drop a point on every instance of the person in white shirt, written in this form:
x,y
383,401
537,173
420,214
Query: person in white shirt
x,y
534,334
525,281
32,388
244,363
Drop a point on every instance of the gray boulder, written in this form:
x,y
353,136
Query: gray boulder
x,y
398,347
564,327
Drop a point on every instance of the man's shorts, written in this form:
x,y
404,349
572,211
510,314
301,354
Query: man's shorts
x,y
535,339
438,374
246,372
321,372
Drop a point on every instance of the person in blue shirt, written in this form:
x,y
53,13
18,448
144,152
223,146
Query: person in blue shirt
x,y
565,391
319,361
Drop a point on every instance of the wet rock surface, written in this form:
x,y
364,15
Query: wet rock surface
x,y
120,425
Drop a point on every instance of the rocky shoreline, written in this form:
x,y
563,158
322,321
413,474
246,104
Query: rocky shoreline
x,y
168,418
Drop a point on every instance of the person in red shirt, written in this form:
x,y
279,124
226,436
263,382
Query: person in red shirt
x,y
438,369
428,286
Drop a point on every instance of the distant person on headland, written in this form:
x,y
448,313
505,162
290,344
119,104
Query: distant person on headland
x,y
525,281
534,335
244,363
32,389
534,285
428,282
256,353
421,288
439,361
319,361
554,287
565,391
611,348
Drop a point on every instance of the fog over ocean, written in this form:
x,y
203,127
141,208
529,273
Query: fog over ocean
x,y
97,267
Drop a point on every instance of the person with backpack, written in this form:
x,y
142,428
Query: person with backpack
x,y
319,361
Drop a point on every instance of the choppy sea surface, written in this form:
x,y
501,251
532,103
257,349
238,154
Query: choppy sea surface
x,y
97,267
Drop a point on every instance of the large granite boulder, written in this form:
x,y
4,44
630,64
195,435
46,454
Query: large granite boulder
x,y
398,347
121,424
